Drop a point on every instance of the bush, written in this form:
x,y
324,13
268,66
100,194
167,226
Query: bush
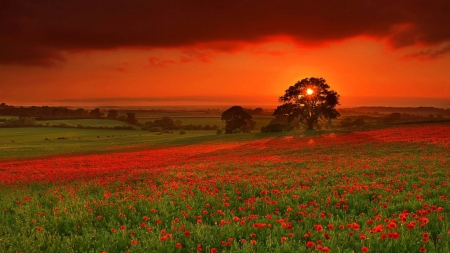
x,y
207,127
395,116
219,131
21,122
182,132
275,127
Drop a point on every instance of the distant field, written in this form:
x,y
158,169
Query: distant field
x,y
31,142
84,122
209,120
6,117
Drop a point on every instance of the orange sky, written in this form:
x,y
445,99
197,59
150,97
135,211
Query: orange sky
x,y
374,64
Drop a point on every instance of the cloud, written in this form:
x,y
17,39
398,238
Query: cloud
x,y
36,32
158,62
428,54
189,55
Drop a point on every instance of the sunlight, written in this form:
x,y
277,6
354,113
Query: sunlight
x,y
309,91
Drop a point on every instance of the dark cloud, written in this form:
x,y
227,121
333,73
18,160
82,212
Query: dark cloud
x,y
428,54
191,55
35,32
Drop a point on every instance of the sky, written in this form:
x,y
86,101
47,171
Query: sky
x,y
234,52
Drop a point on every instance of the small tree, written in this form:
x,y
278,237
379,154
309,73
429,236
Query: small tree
x,y
165,123
235,117
112,114
131,118
96,113
308,100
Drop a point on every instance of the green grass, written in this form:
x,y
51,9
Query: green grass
x,y
84,122
31,142
260,121
7,117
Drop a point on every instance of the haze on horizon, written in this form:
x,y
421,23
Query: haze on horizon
x,y
165,52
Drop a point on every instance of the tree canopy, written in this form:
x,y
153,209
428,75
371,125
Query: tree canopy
x,y
236,117
112,114
308,100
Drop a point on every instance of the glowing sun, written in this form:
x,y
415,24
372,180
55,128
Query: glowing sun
x,y
309,91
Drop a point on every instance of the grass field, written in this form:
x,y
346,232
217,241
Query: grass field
x,y
6,117
84,122
213,120
381,190
31,142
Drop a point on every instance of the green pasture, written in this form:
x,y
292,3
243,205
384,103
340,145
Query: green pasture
x,y
84,122
34,141
41,141
260,120
7,117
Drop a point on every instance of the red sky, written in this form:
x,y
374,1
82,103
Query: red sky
x,y
145,52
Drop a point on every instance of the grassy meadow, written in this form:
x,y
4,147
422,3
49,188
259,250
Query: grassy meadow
x,y
378,190
84,122
211,120
43,141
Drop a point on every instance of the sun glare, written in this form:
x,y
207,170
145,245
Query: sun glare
x,y
309,91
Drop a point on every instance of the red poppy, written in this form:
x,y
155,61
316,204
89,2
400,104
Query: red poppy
x,y
309,244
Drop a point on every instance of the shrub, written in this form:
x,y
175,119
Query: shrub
x,y
274,127
219,131
182,132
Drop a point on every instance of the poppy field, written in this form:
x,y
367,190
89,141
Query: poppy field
x,y
384,190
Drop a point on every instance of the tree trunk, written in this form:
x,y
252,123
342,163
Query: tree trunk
x,y
310,124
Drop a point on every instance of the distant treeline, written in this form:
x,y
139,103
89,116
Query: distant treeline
x,y
58,113
395,117
387,110
43,112
167,123
31,122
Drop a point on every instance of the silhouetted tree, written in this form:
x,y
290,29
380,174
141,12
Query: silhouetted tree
x,y
258,111
96,113
112,114
80,112
165,123
308,100
235,117
131,118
